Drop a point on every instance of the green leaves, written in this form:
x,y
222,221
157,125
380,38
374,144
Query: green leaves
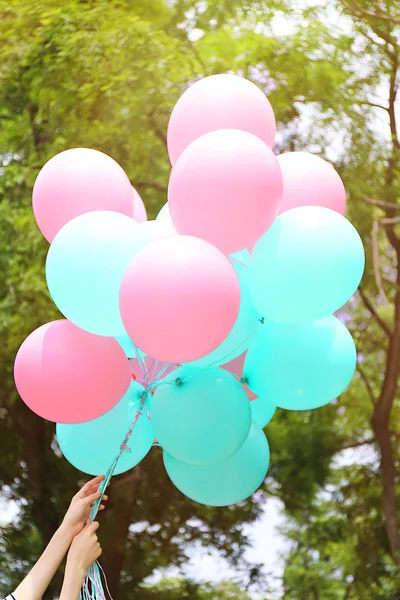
x,y
106,75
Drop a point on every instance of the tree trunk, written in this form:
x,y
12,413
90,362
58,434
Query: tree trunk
x,y
381,427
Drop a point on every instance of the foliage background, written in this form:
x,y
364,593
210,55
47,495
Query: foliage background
x,y
105,74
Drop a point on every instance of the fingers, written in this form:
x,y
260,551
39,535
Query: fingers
x,y
93,526
89,486
101,507
92,498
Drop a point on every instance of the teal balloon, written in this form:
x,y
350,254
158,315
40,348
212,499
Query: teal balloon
x,y
200,417
164,214
306,266
245,328
85,265
129,347
242,256
91,447
303,366
262,411
227,482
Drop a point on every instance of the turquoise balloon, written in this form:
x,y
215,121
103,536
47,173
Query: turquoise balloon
x,y
246,326
262,411
227,482
242,256
91,447
303,366
129,347
85,265
164,214
306,266
200,417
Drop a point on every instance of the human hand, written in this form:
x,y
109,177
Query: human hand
x,y
85,549
79,509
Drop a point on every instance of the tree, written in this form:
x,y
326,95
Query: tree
x,y
102,76
106,75
176,589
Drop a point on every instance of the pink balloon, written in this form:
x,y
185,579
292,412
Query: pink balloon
x,y
179,299
158,230
151,370
225,188
308,180
67,375
235,366
219,102
75,182
139,209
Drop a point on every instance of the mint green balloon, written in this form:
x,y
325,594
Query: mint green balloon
x,y
306,266
245,328
262,411
303,366
200,416
85,265
129,347
164,214
242,256
227,482
91,447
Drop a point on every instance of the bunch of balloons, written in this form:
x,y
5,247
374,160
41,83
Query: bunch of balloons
x,y
203,321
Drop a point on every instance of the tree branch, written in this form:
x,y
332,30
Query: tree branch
x,y
376,262
383,205
358,444
374,105
151,184
367,385
158,132
380,16
368,305
361,13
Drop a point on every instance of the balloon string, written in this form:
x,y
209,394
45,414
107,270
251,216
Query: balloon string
x,y
218,363
92,588
142,363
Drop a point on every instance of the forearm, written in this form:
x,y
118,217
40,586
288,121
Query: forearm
x,y
73,580
37,581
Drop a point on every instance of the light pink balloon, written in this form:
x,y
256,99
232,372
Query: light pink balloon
x,y
308,180
158,230
235,366
139,209
219,102
179,299
225,188
151,370
67,375
75,182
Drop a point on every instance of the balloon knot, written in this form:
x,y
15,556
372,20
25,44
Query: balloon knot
x,y
244,380
143,395
262,320
178,381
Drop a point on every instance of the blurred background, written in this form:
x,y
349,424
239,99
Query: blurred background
x,y
105,74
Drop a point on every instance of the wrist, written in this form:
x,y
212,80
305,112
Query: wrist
x,y
75,569
65,533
